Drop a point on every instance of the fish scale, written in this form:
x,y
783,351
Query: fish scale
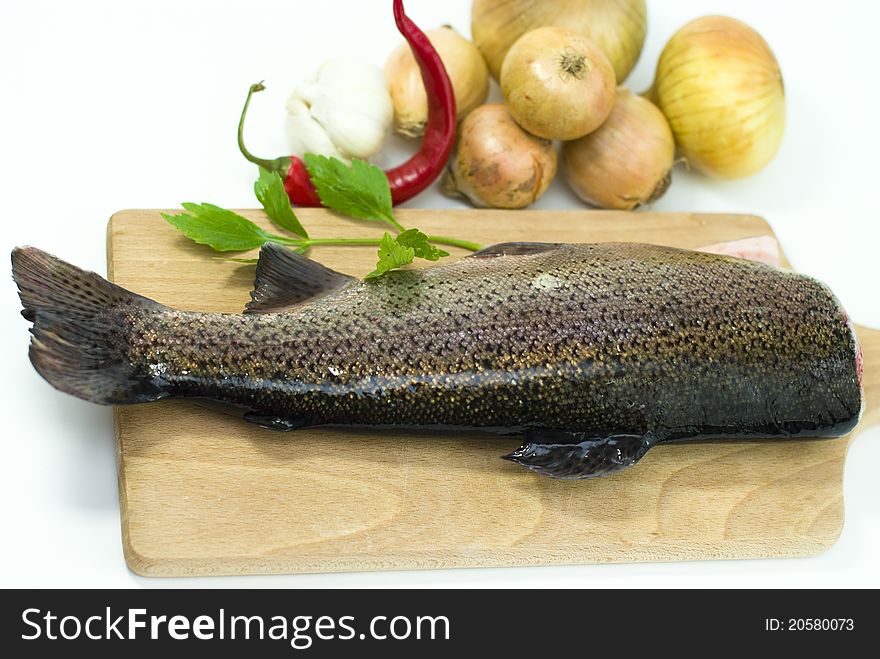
x,y
594,353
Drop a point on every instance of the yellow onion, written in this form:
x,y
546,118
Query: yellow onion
x,y
497,164
617,26
465,66
721,89
628,161
557,83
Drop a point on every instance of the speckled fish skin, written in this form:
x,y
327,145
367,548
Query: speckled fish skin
x,y
595,352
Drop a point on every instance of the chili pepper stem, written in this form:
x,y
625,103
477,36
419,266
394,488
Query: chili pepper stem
x,y
268,165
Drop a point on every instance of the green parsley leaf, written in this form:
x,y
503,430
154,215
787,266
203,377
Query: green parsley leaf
x,y
422,248
391,255
218,228
270,191
359,191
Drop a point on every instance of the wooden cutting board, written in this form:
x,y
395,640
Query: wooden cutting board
x,y
203,493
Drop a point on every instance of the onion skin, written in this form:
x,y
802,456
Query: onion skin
x,y
617,26
558,84
721,88
466,68
628,161
497,164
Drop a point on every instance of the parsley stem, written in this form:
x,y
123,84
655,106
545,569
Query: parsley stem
x,y
397,225
455,242
311,242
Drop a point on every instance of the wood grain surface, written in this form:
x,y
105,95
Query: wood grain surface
x,y
204,493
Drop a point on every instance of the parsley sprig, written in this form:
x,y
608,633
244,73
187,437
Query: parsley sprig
x,y
359,191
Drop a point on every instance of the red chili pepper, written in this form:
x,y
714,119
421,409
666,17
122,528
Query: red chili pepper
x,y
417,173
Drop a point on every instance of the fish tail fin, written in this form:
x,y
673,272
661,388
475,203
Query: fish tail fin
x,y
80,344
574,456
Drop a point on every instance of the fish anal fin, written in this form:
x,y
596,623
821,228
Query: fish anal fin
x,y
573,455
274,421
513,249
285,280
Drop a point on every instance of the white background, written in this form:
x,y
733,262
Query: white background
x,y
134,104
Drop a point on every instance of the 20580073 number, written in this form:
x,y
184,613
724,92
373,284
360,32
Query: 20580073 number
x,y
820,624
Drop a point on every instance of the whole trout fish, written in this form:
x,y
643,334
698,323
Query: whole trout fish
x,y
592,353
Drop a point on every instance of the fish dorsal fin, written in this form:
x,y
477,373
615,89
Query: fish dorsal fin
x,y
285,280
513,249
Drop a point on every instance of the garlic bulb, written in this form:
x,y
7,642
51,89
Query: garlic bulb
x,y
497,164
466,69
721,89
625,163
344,112
617,26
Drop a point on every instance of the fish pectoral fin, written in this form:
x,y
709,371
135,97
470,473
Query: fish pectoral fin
x,y
274,421
572,455
285,280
